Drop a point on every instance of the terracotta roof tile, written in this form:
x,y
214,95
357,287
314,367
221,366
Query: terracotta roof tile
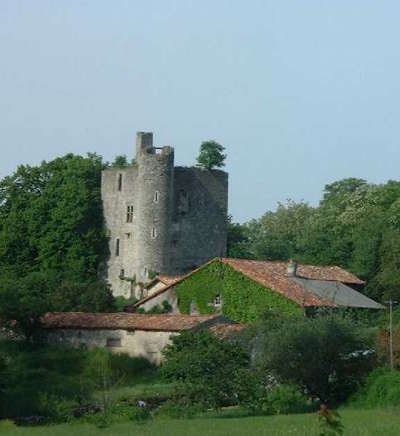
x,y
273,275
127,321
225,331
168,280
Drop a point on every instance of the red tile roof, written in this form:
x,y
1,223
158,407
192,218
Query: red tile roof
x,y
273,275
329,273
225,331
128,321
168,280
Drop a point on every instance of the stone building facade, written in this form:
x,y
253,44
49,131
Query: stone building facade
x,y
161,218
135,334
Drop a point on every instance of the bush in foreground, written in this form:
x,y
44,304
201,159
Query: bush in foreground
x,y
205,368
381,389
326,356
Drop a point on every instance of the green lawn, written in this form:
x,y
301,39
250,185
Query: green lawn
x,y
356,422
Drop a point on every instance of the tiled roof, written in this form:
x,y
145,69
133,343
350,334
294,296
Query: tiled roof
x,y
168,280
128,321
273,275
330,273
225,331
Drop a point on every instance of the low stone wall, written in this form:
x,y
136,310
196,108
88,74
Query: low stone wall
x,y
137,343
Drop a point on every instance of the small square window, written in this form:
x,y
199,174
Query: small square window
x,y
122,273
114,342
217,301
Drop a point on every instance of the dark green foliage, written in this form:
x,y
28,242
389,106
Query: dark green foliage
x,y
356,226
52,240
55,381
83,297
120,161
121,303
237,244
211,155
259,393
382,389
244,300
51,219
24,301
326,355
205,368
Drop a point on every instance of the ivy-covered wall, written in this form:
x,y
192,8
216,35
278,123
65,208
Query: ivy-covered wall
x,y
244,300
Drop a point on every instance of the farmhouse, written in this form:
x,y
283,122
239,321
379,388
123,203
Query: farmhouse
x,y
243,289
136,334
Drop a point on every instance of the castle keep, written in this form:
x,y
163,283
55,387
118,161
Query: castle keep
x,y
161,218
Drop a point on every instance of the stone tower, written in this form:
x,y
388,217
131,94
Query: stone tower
x,y
154,207
161,218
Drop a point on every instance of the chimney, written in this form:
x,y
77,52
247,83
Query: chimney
x,y
144,140
291,268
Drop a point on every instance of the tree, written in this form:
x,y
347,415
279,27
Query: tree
x,y
121,161
326,355
23,302
51,219
211,155
83,297
237,240
52,237
205,367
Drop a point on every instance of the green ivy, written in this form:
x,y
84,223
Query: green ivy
x,y
244,299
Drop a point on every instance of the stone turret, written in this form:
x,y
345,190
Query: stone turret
x,y
154,207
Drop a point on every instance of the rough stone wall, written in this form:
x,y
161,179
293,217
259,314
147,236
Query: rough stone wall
x,y
179,217
138,343
115,204
154,206
199,230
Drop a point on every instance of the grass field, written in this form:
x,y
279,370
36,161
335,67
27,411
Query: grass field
x,y
356,422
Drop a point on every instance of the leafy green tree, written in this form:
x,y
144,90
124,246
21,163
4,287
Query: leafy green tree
x,y
83,297
120,161
23,302
205,367
327,356
211,155
237,240
52,227
51,219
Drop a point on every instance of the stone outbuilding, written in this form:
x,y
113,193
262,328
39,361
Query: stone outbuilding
x,y
281,285
136,334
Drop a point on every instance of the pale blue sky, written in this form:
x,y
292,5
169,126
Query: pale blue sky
x,y
301,92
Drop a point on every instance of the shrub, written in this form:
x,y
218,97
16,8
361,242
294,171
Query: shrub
x,y
382,389
259,393
58,382
205,368
326,356
285,399
122,302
